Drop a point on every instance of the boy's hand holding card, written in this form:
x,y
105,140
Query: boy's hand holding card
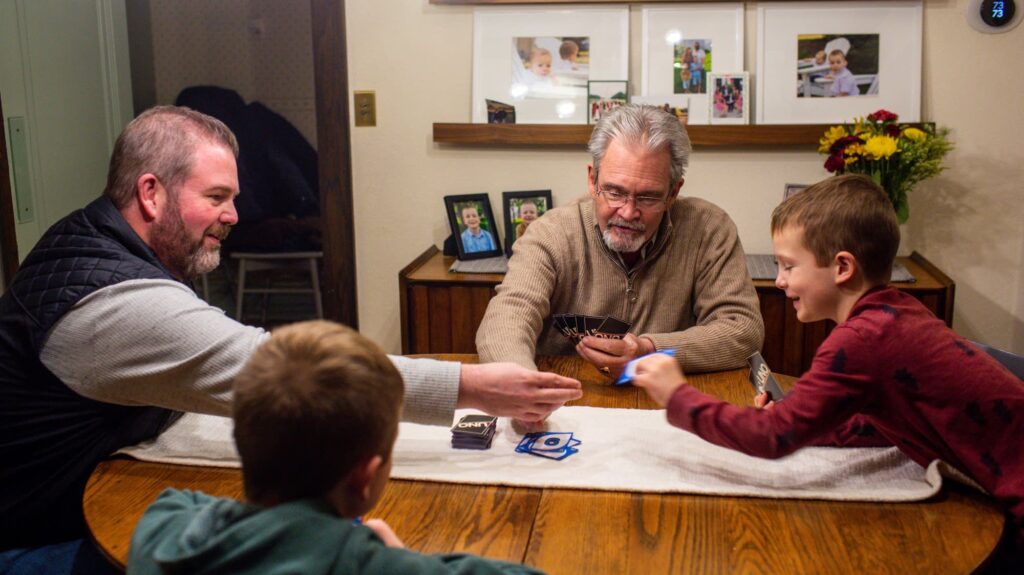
x,y
659,375
765,386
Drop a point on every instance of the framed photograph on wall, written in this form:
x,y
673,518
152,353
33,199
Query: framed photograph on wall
x,y
473,226
819,63
679,109
540,59
792,189
730,98
684,43
603,96
522,209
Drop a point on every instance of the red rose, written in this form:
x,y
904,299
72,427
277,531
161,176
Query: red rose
x,y
883,116
892,130
835,163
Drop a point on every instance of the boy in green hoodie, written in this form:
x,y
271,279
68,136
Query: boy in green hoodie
x,y
316,414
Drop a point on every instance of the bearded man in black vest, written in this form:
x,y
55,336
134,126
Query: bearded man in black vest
x,y
103,342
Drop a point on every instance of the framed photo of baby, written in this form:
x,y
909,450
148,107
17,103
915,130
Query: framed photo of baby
x,y
472,224
539,59
550,66
522,209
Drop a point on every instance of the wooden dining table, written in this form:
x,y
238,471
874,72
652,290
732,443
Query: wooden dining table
x,y
580,531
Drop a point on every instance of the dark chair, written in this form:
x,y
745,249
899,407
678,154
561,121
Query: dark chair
x,y
1012,362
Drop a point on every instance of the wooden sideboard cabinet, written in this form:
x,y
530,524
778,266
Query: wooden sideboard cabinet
x,y
441,311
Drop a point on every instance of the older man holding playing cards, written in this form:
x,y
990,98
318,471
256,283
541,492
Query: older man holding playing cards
x,y
671,268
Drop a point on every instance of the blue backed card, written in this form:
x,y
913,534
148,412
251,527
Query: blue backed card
x,y
555,445
630,372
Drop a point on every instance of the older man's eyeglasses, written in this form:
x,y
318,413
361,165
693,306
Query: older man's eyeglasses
x,y
616,199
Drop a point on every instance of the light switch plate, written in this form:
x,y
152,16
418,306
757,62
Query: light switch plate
x,y
366,108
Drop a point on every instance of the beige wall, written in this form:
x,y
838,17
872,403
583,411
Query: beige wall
x,y
417,57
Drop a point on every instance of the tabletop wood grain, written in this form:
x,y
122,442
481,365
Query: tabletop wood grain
x,y
575,531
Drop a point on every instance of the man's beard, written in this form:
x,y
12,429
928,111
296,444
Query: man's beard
x,y
621,244
185,258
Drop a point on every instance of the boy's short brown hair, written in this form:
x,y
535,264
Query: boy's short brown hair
x,y
314,401
849,212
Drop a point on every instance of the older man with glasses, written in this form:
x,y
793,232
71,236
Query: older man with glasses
x,y
672,267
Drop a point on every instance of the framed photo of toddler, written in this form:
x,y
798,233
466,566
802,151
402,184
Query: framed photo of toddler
x,y
827,62
522,209
730,98
473,226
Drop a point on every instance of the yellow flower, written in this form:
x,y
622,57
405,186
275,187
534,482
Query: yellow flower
x,y
834,133
879,147
914,134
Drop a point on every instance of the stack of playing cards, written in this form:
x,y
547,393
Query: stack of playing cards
x,y
474,432
575,327
555,445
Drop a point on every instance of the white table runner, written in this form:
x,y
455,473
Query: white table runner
x,y
621,450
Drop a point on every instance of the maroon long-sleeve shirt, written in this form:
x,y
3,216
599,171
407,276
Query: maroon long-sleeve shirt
x,y
891,371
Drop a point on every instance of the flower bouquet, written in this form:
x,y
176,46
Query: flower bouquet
x,y
896,157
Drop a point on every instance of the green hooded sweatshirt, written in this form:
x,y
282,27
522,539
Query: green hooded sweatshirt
x,y
191,532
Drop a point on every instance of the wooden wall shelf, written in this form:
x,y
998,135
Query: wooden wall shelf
x,y
577,135
500,2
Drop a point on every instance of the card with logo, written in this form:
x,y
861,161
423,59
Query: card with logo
x,y
762,379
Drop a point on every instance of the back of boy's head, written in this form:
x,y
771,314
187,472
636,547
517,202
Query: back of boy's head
x,y
313,402
845,213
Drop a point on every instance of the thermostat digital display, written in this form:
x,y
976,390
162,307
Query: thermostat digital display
x,y
992,16
997,12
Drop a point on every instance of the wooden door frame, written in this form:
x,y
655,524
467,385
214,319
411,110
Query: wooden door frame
x,y
8,233
330,73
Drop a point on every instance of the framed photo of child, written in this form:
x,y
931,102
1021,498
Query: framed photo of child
x,y
473,226
682,44
603,96
730,98
522,209
827,62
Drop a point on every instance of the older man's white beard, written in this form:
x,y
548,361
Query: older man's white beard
x,y
624,245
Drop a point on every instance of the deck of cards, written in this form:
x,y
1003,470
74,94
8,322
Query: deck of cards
x,y
474,432
555,445
577,326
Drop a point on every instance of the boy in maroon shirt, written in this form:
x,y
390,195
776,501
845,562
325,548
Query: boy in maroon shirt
x,y
890,370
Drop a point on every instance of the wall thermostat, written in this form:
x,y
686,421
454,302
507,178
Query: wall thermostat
x,y
993,16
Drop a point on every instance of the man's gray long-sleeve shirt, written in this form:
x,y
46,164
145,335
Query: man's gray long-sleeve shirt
x,y
154,342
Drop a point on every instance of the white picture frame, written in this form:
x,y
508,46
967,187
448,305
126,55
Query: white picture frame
x,y
729,98
895,87
719,24
497,68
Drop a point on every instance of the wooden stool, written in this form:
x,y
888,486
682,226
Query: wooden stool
x,y
285,261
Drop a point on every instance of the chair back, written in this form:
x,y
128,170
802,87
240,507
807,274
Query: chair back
x,y
1012,362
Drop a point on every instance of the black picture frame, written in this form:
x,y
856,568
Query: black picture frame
x,y
454,206
510,203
